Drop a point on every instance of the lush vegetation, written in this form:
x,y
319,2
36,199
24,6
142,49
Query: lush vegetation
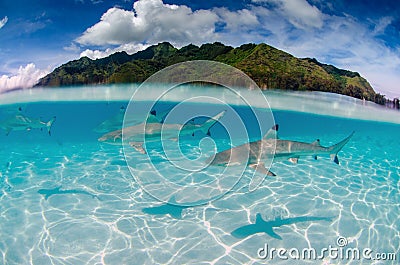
x,y
269,67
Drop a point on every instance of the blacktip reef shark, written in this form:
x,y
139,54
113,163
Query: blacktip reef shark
x,y
259,151
115,123
134,135
56,191
21,122
262,226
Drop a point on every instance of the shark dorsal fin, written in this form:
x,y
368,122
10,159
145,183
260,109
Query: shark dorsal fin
x,y
172,200
316,143
272,133
259,218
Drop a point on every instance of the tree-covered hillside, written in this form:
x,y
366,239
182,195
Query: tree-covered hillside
x,y
269,67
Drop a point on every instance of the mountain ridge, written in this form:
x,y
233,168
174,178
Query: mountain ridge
x,y
269,67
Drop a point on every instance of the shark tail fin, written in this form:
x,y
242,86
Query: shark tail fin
x,y
205,127
49,124
334,149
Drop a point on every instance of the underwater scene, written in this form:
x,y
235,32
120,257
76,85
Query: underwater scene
x,y
76,188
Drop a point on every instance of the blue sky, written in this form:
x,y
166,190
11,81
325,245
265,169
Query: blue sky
x,y
363,36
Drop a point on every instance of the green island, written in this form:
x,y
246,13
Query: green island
x,y
269,67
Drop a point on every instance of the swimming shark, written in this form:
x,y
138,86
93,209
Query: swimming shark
x,y
21,122
50,192
271,147
115,123
151,132
262,226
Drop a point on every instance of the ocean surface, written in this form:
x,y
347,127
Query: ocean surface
x,y
67,198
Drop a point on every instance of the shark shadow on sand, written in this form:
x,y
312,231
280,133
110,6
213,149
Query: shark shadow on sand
x,y
262,226
173,210
47,193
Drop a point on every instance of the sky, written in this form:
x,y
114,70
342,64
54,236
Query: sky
x,y
358,35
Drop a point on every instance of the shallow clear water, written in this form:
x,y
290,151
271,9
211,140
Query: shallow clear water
x,y
106,218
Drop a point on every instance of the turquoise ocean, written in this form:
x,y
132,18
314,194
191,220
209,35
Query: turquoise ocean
x,y
67,198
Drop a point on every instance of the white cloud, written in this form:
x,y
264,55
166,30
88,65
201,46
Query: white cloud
x,y
243,19
381,25
129,48
25,77
3,21
152,21
73,47
299,12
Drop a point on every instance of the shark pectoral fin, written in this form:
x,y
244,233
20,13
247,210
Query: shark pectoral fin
x,y
258,178
49,124
176,214
138,147
245,231
270,231
334,158
294,160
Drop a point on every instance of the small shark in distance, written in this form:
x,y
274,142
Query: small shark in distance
x,y
271,147
21,122
134,135
262,226
56,191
